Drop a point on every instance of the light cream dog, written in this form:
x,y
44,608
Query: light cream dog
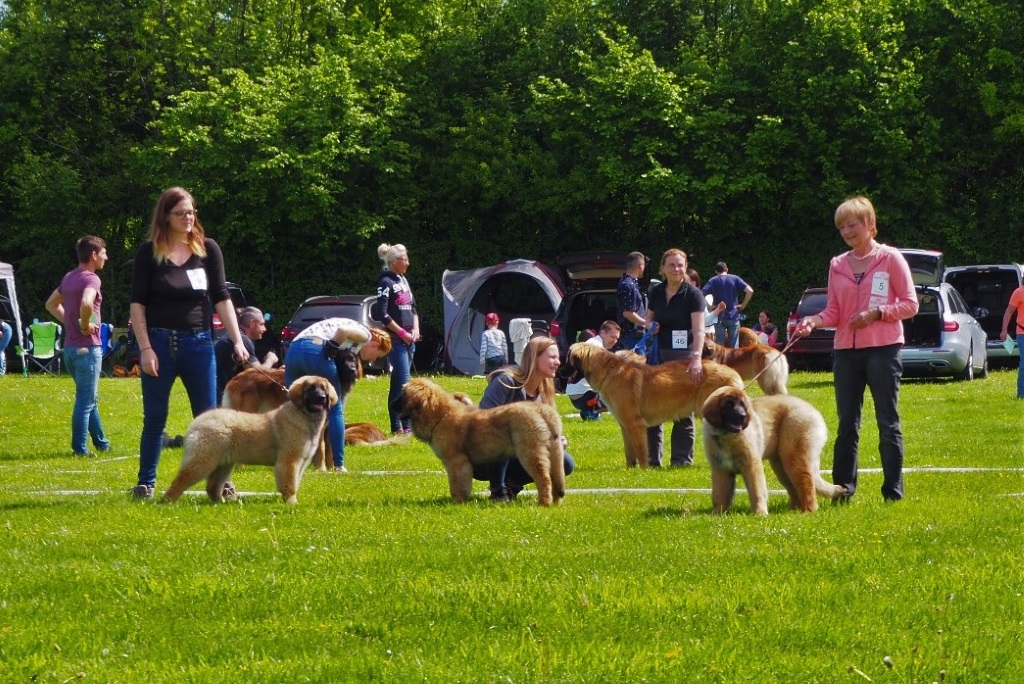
x,y
285,438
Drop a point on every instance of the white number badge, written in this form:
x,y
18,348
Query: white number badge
x,y
879,289
680,339
197,276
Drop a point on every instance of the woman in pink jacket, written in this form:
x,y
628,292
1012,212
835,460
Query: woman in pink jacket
x,y
870,292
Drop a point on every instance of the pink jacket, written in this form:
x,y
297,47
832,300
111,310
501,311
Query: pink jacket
x,y
887,285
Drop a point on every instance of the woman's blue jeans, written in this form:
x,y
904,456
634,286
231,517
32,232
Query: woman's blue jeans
x,y
185,354
306,357
83,364
401,370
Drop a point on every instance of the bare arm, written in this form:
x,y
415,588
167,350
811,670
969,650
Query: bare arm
x,y
85,312
55,305
147,357
747,294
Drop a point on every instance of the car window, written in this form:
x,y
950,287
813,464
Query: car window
x,y
812,303
956,302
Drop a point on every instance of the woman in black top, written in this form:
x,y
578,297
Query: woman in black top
x,y
678,309
396,309
178,281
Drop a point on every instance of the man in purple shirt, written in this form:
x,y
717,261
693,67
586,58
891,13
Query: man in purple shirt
x,y
76,303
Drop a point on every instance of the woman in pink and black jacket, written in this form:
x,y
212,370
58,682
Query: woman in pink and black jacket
x,y
870,292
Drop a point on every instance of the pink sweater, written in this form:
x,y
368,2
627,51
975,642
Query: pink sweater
x,y
887,285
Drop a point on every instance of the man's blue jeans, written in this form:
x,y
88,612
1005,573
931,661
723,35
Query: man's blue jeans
x,y
306,357
83,364
732,327
401,370
185,354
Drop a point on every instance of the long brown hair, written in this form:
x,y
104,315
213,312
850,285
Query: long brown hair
x,y
160,226
524,372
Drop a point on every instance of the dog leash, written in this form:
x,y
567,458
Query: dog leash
x,y
781,353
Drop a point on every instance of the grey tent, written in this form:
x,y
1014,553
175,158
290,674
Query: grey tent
x,y
9,301
513,289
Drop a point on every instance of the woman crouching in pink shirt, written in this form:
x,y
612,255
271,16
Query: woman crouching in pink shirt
x,y
870,292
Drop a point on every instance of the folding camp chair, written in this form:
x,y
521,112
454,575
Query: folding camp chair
x,y
44,346
109,347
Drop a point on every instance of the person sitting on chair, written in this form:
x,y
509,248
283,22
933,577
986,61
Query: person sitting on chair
x,y
252,326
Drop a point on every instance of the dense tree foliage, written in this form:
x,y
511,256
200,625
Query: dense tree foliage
x,y
482,130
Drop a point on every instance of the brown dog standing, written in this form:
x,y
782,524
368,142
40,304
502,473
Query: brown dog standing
x,y
462,435
639,395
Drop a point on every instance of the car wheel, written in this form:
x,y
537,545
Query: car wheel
x,y
968,372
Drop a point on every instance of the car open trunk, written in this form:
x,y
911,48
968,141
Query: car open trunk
x,y
924,329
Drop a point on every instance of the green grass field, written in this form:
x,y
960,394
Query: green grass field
x,y
376,576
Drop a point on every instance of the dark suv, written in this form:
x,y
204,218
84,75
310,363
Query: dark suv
x,y
815,350
591,280
356,307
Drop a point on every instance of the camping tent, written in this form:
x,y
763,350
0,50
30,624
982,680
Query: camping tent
x,y
513,289
9,306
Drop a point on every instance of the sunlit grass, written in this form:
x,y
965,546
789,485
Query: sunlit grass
x,y
378,577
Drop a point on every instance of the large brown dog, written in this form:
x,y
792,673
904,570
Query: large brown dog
x,y
285,438
750,360
641,396
739,433
462,435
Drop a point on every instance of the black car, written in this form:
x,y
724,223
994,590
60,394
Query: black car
x,y
815,350
591,280
355,307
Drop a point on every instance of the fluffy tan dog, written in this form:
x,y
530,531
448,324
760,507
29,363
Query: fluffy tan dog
x,y
462,435
750,360
640,396
739,433
285,438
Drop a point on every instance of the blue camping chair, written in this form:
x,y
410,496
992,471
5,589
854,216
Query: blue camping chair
x,y
108,347
43,348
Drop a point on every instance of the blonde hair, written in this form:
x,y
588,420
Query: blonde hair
x,y
388,253
527,370
160,225
674,251
860,208
382,339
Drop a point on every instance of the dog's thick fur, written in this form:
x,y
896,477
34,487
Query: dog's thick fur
x,y
740,433
641,396
285,438
463,435
257,391
750,360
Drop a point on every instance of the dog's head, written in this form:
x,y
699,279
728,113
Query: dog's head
x,y
578,362
348,370
728,409
424,404
312,394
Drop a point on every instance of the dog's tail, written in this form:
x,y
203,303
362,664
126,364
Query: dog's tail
x,y
775,375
